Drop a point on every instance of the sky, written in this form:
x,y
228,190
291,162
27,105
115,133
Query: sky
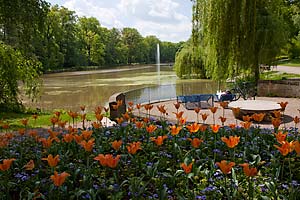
x,y
168,20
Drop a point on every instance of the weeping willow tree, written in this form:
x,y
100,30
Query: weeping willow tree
x,y
188,62
236,36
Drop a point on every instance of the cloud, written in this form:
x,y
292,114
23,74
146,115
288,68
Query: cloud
x,y
169,20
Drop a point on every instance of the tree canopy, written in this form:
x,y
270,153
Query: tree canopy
x,y
36,37
234,37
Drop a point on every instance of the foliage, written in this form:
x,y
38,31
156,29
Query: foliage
x,y
157,170
58,38
237,36
189,63
14,68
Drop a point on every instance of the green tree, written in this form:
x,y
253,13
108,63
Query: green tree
x,y
151,43
16,67
237,36
91,39
21,23
133,42
114,48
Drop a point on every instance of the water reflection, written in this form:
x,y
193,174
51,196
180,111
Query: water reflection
x,y
69,90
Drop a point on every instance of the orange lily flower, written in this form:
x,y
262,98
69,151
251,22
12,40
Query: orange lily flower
x,y
126,116
29,166
35,116
297,147
57,113
296,120
246,125
276,122
225,166
139,125
159,140
232,141
6,164
195,142
232,126
62,124
102,160
283,105
179,115
98,109
236,111
86,134
78,138
88,145
151,128
215,128
161,109
33,133
116,144
99,117
146,120
96,125
59,179
82,108
213,109
175,130
54,120
204,116
182,121
197,110
24,122
148,107
138,106
246,118
133,147
277,114
68,137
248,171
53,134
46,142
129,109
21,131
223,119
72,114
187,168
193,128
52,161
108,160
5,126
177,105
224,104
130,103
111,161
280,136
258,117
202,128
120,120
286,147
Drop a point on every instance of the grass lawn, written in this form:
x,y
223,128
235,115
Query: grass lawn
x,y
43,119
291,63
274,75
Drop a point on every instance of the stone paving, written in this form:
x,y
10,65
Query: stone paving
x,y
290,112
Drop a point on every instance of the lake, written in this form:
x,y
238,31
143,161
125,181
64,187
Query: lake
x,y
70,90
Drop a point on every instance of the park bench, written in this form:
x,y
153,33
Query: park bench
x,y
196,100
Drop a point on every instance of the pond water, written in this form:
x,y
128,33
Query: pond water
x,y
70,90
